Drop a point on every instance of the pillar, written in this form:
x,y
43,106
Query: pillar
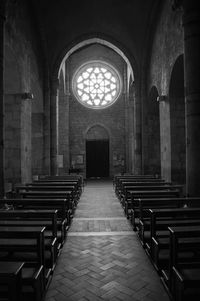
x,y
2,21
191,25
54,126
47,138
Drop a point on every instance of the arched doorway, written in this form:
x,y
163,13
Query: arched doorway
x,y
97,152
177,121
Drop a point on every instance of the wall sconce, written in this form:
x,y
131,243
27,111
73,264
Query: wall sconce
x,y
27,95
162,98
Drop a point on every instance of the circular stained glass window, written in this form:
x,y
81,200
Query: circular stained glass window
x,y
96,85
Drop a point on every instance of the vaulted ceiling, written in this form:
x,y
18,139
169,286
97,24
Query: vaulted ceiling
x,y
126,23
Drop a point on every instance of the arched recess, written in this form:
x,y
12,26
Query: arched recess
x,y
89,41
97,152
153,162
57,73
177,121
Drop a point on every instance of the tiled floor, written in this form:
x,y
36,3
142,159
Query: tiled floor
x,y
102,258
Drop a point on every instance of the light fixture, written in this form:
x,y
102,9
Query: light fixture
x,y
162,98
27,95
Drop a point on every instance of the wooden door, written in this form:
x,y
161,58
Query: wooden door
x,y
97,158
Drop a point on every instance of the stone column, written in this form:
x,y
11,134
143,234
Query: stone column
x,y
47,138
131,136
54,126
127,158
191,25
137,137
165,134
2,21
64,120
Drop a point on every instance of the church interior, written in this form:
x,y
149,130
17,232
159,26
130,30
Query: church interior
x,y
99,150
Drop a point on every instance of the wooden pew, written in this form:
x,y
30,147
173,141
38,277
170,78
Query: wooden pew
x,y
143,225
118,178
161,219
131,202
61,205
58,194
119,182
11,280
32,218
15,243
47,194
50,192
127,190
182,277
123,185
63,178
77,186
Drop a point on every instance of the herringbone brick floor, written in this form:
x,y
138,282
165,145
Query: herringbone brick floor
x,y
102,258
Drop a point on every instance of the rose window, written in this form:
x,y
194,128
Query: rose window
x,y
96,85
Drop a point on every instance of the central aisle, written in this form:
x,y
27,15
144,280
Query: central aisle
x,y
102,258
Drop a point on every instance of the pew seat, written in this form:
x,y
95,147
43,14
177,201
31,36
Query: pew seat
x,y
182,275
143,214
61,205
14,243
30,218
11,280
161,219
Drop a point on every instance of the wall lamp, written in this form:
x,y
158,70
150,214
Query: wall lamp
x,y
27,95
162,98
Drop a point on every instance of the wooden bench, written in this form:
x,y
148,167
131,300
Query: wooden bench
x,y
126,195
131,202
11,280
63,178
48,192
122,184
183,274
161,219
32,218
120,181
143,214
75,184
117,179
28,242
51,195
61,205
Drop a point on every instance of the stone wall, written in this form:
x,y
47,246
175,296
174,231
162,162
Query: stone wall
x,y
23,151
81,119
166,47
177,120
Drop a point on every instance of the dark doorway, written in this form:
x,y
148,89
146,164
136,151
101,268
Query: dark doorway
x,y
97,158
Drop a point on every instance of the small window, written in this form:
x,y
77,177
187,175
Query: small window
x,y
96,85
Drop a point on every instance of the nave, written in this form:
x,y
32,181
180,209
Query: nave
x,y
102,258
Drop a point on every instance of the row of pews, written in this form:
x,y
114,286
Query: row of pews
x,y
34,219
168,226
